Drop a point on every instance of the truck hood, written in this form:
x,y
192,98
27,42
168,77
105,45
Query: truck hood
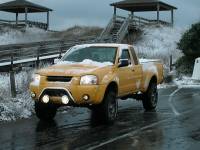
x,y
72,70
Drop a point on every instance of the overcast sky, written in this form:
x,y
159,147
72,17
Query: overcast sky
x,y
98,12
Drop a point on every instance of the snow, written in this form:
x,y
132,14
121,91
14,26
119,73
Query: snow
x,y
165,85
22,105
87,62
149,67
99,64
159,43
186,82
121,46
11,36
148,60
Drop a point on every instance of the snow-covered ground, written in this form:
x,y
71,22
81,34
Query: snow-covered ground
x,y
22,105
11,36
185,81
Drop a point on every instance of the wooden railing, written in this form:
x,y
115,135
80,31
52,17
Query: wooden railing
x,y
37,24
23,23
123,30
14,55
106,29
131,21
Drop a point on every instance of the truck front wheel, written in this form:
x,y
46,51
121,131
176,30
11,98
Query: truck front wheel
x,y
150,98
107,110
45,112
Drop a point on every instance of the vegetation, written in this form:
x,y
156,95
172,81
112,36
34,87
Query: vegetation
x,y
78,32
190,46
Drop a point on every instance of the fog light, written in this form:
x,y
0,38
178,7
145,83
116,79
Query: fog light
x,y
33,95
45,99
65,99
86,97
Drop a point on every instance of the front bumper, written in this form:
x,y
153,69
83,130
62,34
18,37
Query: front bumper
x,y
74,91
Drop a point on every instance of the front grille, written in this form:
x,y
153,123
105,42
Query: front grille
x,y
59,79
55,92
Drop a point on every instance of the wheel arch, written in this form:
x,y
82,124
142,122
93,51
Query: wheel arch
x,y
148,80
153,79
112,86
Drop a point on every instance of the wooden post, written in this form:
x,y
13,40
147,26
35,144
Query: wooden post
x,y
170,63
172,17
11,62
61,49
115,14
38,58
17,18
12,79
26,16
158,13
47,20
139,21
132,15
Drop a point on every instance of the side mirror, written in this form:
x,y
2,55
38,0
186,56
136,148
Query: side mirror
x,y
56,61
123,63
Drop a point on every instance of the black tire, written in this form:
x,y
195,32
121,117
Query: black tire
x,y
107,111
45,112
150,98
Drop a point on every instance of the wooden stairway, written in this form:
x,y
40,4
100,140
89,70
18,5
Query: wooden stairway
x,y
118,27
111,33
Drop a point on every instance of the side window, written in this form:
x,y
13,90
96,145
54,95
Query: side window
x,y
135,58
125,55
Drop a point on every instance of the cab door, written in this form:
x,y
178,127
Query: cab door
x,y
125,74
137,71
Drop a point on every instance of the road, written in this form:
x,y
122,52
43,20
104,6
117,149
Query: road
x,y
174,125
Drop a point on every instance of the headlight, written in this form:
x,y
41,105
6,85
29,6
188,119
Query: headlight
x,y
36,79
88,80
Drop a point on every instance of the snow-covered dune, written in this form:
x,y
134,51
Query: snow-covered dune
x,y
159,43
11,36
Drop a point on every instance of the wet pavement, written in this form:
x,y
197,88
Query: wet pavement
x,y
174,125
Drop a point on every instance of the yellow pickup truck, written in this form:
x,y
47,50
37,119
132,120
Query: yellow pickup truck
x,y
96,76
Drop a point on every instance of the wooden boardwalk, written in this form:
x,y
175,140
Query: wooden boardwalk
x,y
15,55
22,24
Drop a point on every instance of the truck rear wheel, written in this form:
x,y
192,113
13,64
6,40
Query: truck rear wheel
x,y
107,111
45,112
150,98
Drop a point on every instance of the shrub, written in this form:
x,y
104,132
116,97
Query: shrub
x,y
184,65
190,46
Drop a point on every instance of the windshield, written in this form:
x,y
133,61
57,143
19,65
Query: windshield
x,y
98,54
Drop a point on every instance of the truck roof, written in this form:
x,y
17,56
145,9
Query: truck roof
x,y
104,44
